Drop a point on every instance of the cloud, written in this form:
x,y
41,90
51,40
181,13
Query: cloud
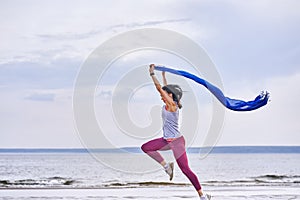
x,y
105,94
268,9
59,73
47,95
112,28
42,51
41,97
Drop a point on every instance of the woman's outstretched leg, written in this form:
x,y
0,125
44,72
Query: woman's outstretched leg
x,y
178,148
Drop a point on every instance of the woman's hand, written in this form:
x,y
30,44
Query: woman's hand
x,y
151,69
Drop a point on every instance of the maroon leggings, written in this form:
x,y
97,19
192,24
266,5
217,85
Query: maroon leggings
x,y
178,148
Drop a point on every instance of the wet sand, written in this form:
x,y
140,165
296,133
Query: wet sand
x,y
218,193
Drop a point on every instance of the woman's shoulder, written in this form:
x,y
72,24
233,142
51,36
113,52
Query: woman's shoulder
x,y
171,108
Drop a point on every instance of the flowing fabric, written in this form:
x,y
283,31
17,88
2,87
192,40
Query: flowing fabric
x,y
232,104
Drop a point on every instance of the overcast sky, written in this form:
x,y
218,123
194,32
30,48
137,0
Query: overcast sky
x,y
255,45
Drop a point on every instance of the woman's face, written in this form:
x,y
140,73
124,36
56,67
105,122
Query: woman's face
x,y
163,99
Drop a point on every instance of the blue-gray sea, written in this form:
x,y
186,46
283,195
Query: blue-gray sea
x,y
135,176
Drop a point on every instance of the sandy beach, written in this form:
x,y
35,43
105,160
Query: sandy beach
x,y
219,193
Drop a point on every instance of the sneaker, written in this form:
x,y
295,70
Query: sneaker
x,y
170,169
206,197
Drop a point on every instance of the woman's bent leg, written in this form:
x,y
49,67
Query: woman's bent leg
x,y
153,146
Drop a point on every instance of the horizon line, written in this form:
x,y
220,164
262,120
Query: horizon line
x,y
216,149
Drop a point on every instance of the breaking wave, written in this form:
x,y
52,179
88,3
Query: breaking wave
x,y
45,182
61,182
263,180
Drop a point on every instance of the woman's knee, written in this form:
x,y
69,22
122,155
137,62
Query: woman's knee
x,y
184,166
185,170
144,148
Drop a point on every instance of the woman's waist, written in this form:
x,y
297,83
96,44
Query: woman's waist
x,y
171,139
171,136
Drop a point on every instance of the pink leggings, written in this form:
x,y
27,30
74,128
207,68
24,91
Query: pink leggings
x,y
178,148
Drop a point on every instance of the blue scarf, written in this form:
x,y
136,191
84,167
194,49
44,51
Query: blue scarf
x,y
232,104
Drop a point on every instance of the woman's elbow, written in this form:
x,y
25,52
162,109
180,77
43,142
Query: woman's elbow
x,y
158,87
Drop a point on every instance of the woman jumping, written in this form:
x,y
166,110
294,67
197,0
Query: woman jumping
x,y
172,138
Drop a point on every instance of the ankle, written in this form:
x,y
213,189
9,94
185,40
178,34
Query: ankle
x,y
200,193
166,166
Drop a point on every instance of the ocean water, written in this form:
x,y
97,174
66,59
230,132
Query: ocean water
x,y
121,176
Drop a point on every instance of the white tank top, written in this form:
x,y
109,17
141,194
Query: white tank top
x,y
170,123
